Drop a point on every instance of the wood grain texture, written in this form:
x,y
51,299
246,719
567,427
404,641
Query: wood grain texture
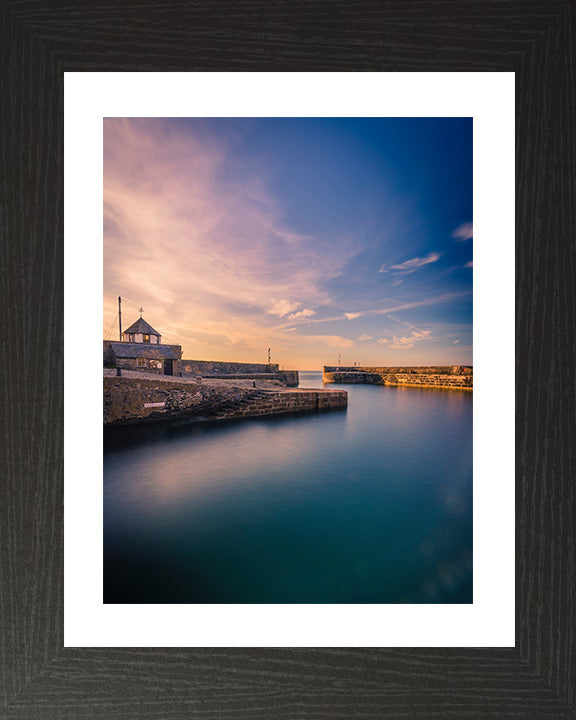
x,y
40,40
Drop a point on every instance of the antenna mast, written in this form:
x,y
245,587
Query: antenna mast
x,y
120,317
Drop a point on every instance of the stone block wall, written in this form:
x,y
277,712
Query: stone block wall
x,y
292,402
280,403
443,377
350,377
109,360
451,382
130,400
213,367
451,370
408,370
290,378
177,350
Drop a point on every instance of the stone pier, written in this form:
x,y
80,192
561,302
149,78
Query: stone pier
x,y
451,377
135,398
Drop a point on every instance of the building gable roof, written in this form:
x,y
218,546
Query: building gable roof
x,y
141,326
142,350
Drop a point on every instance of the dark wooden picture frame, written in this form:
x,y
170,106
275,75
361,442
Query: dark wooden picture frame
x,y
39,678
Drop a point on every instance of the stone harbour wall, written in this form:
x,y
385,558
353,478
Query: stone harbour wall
x,y
237,371
442,377
289,378
406,369
212,367
350,377
447,382
135,400
206,368
128,400
288,402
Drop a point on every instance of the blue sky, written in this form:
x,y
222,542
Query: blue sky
x,y
317,237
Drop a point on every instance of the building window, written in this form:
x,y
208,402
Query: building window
x,y
146,338
131,338
140,362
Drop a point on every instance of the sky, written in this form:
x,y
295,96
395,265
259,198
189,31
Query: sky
x,y
327,240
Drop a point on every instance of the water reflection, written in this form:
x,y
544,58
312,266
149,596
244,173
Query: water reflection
x,y
369,505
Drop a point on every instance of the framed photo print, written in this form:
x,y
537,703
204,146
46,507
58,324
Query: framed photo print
x,y
288,397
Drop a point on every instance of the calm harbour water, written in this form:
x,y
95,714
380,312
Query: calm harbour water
x,y
368,505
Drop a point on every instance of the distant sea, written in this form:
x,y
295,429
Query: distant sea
x,y
368,505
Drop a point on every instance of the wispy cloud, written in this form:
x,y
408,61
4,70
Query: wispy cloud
x,y
463,232
434,300
362,338
301,314
283,307
409,266
469,264
407,341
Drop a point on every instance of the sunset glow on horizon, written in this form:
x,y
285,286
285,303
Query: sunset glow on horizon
x,y
318,238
